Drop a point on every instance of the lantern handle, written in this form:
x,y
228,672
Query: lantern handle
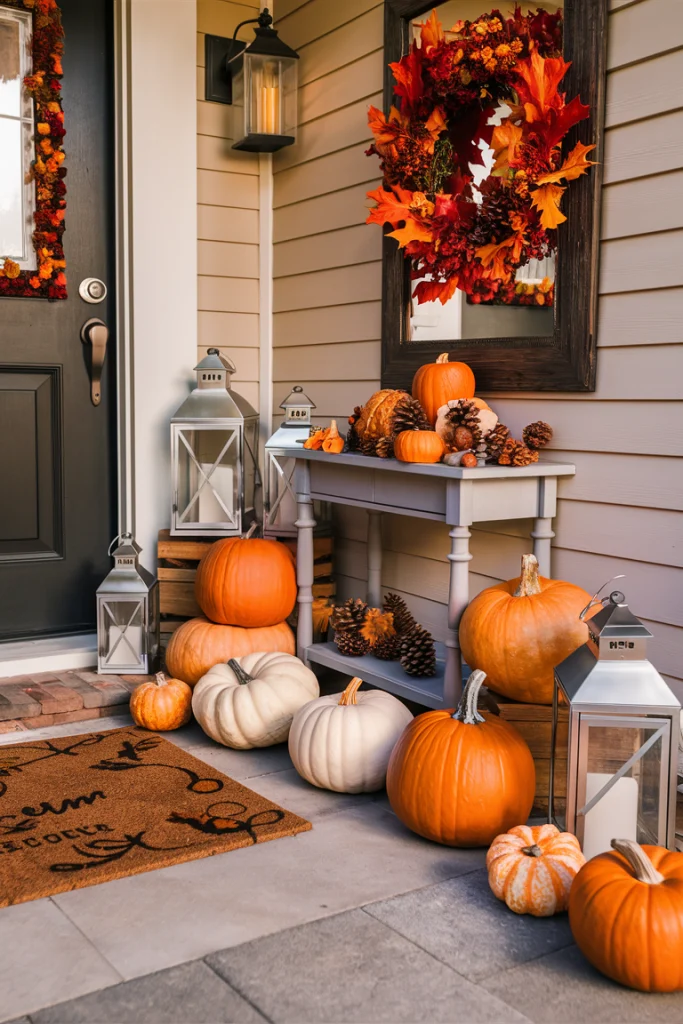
x,y
603,601
117,538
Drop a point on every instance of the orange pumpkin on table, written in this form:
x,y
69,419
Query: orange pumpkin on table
x,y
532,868
198,645
460,778
517,631
161,704
434,384
246,582
419,446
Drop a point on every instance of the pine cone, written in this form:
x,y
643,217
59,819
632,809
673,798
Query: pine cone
x,y
537,435
351,645
494,442
384,448
409,415
349,617
367,446
461,413
515,453
418,654
403,620
388,649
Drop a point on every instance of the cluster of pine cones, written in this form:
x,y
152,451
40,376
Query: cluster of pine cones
x,y
390,633
408,415
462,431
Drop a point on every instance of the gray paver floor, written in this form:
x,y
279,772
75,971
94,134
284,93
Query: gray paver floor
x,y
357,920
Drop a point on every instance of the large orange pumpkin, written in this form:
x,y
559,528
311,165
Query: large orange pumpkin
x,y
161,704
246,582
198,645
434,384
376,416
626,915
519,630
460,778
419,446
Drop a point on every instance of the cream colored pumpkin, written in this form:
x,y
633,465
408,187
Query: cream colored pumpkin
x,y
532,868
250,701
343,741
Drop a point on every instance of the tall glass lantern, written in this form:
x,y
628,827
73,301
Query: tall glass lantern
x,y
614,777
214,446
280,500
127,613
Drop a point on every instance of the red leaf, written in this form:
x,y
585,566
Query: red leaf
x,y
430,291
408,75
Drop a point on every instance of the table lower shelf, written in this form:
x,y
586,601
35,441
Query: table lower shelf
x,y
388,675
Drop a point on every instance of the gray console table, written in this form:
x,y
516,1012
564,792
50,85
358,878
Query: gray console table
x,y
459,497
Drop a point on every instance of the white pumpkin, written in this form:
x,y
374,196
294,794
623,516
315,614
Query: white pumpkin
x,y
250,701
343,741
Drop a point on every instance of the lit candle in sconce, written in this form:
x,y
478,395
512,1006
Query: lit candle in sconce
x,y
269,109
615,816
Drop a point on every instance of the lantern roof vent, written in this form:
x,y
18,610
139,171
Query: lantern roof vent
x,y
617,621
213,398
296,397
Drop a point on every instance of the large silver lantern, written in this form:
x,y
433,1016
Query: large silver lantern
x,y
127,614
214,445
280,500
621,751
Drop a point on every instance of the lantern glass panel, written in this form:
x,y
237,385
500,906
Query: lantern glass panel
x,y
121,632
269,88
622,781
208,482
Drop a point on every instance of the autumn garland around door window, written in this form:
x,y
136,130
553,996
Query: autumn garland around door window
x,y
48,279
448,88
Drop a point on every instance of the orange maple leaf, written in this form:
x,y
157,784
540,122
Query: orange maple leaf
x,y
401,206
546,199
537,84
430,291
431,32
573,167
506,138
493,257
385,129
413,231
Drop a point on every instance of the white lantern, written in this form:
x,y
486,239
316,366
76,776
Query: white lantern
x,y
127,614
280,499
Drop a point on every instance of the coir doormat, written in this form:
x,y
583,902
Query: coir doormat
x,y
79,810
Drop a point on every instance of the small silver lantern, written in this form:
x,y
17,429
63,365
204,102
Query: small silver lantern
x,y
280,500
622,752
214,439
127,613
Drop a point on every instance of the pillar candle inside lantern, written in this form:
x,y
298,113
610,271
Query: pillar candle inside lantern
x,y
615,816
269,99
123,655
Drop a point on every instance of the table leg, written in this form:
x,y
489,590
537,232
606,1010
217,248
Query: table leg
x,y
458,597
374,593
542,535
304,557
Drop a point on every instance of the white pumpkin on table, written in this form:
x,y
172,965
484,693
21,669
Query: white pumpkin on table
x,y
250,701
343,742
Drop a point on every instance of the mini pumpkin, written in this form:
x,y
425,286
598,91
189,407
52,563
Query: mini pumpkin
x,y
250,701
246,582
198,645
334,442
626,915
460,778
517,631
434,384
532,868
162,704
343,741
419,446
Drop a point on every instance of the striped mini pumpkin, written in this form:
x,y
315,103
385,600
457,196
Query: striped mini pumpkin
x,y
532,868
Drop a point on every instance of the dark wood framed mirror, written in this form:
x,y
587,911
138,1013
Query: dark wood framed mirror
x,y
510,347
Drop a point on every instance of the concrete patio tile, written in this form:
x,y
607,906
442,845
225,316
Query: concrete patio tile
x,y
188,910
45,959
463,924
189,994
238,764
352,968
288,789
563,988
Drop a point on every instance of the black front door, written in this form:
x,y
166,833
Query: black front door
x,y
57,448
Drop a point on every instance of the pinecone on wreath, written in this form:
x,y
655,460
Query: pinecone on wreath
x,y
537,435
461,425
418,654
349,616
403,620
351,644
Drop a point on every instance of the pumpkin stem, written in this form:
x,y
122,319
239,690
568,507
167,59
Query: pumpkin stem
x,y
349,694
160,679
642,866
242,677
467,708
532,851
529,582
443,358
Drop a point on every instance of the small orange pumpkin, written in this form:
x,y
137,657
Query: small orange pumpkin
x,y
626,915
460,778
246,582
434,384
532,868
198,645
161,704
419,446
334,442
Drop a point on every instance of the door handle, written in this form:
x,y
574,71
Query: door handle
x,y
96,333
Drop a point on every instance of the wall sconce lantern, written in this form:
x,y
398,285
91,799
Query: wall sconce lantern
x,y
214,446
260,80
621,753
280,500
127,614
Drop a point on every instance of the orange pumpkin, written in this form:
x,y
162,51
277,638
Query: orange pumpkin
x,y
246,582
376,416
333,444
460,778
161,704
198,645
519,630
434,384
626,915
532,868
419,446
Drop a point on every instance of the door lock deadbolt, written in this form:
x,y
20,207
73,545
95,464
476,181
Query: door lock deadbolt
x,y
92,290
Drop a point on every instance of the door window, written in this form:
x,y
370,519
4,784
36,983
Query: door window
x,y
17,192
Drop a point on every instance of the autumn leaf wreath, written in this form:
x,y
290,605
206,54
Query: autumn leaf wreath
x,y
459,235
